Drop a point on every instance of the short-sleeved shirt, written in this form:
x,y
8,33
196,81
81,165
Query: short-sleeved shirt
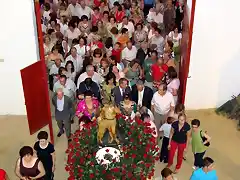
x,y
147,69
45,154
157,72
180,136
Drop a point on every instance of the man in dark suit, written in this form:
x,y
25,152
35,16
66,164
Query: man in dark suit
x,y
88,85
143,53
119,91
63,112
141,94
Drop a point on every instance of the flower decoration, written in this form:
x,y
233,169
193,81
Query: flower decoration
x,y
132,160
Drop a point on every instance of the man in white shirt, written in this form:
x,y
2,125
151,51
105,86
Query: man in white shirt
x,y
97,78
54,69
128,25
67,85
85,10
129,53
162,104
76,59
74,9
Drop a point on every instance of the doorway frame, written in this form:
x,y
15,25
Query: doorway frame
x,y
188,24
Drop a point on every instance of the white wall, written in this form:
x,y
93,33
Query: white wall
x,y
215,55
19,48
189,8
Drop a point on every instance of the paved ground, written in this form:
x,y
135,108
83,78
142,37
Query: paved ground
x,y
224,147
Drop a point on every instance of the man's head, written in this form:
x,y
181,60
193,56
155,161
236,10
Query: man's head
x,y
167,174
60,93
195,124
154,55
74,2
90,70
58,62
162,89
73,52
158,32
208,164
140,85
123,83
82,3
88,82
125,20
63,80
129,45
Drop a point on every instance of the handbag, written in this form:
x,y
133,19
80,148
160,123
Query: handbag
x,y
204,139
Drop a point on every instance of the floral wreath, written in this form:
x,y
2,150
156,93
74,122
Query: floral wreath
x,y
132,159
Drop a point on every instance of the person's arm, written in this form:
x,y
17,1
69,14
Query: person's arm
x,y
41,171
17,170
188,139
152,104
170,137
54,161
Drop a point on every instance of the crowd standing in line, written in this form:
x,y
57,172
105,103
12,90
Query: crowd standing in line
x,y
124,52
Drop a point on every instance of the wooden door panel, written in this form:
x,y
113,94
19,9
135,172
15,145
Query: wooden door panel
x,y
36,96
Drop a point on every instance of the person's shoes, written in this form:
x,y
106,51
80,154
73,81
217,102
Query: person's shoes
x,y
176,171
165,161
184,158
60,134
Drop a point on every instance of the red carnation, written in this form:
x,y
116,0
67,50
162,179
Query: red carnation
x,y
134,156
91,163
145,155
91,176
104,171
107,150
130,174
71,178
115,169
129,133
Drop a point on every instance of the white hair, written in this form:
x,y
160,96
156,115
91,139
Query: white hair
x,y
89,68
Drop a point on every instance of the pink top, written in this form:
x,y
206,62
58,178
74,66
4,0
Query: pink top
x,y
174,84
83,109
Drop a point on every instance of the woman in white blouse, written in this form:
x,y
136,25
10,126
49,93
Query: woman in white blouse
x,y
175,36
72,33
173,83
82,48
48,45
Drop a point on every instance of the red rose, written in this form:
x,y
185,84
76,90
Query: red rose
x,y
126,156
130,174
134,148
124,172
115,169
134,166
129,133
71,178
134,156
80,170
145,155
104,171
91,163
107,150
91,176
131,139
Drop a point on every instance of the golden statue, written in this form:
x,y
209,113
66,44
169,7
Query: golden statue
x,y
107,121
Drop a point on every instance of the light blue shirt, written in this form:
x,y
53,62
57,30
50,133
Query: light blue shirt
x,y
199,174
60,104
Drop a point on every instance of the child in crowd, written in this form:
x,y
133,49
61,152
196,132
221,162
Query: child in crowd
x,y
165,129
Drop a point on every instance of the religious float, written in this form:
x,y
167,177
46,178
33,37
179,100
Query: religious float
x,y
113,147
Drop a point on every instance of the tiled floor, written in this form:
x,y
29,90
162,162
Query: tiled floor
x,y
224,148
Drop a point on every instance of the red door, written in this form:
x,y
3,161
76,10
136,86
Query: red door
x,y
34,81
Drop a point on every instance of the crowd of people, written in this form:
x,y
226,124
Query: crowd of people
x,y
122,52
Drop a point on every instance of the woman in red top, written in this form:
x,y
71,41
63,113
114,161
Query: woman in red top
x,y
119,14
117,52
158,71
96,16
